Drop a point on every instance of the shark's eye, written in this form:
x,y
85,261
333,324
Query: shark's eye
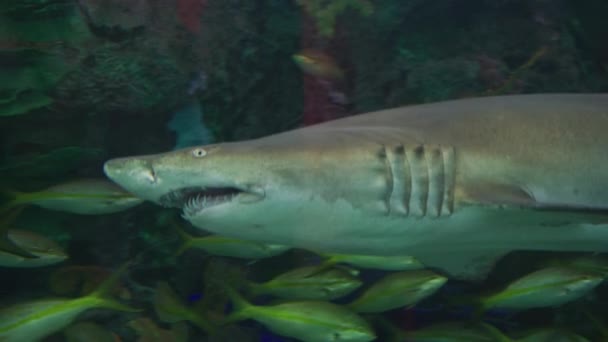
x,y
199,152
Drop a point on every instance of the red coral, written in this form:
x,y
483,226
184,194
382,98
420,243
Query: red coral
x,y
189,13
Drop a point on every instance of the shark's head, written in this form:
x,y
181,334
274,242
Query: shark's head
x,y
194,179
269,189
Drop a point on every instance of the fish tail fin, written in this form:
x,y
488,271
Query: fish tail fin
x,y
6,244
201,322
104,291
253,289
170,308
240,306
185,238
496,334
322,267
14,199
599,325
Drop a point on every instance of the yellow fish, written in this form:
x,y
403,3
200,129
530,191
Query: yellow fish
x,y
318,64
83,196
46,251
32,321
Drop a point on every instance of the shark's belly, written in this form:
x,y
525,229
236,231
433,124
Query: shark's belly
x,y
341,228
465,244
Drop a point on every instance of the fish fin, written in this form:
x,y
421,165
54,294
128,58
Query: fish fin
x,y
202,323
167,305
185,237
170,309
465,265
496,334
240,306
103,291
322,267
118,306
106,287
599,325
15,198
8,245
253,289
497,193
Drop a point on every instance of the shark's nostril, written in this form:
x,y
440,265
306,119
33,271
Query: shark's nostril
x,y
151,175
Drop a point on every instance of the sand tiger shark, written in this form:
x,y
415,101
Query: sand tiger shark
x,y
456,184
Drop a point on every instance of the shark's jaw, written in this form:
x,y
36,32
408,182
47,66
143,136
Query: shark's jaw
x,y
156,178
195,200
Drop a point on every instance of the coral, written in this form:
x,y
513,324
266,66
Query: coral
x,y
120,14
23,102
35,45
442,79
54,164
127,77
325,12
189,13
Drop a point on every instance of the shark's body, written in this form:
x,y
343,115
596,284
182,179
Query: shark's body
x,y
455,184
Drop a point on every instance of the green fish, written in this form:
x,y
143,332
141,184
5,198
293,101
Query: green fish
x,y
552,335
398,290
83,196
46,251
552,286
589,263
170,309
308,321
229,247
7,245
308,283
32,321
378,262
454,332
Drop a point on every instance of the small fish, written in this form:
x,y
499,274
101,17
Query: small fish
x,y
398,290
47,252
7,245
229,247
89,332
170,309
32,321
329,284
75,280
552,335
83,196
385,263
308,321
318,64
552,286
590,263
454,332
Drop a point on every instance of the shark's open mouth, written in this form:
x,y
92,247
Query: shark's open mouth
x,y
193,200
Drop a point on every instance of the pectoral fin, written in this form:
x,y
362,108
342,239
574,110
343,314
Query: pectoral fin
x,y
497,193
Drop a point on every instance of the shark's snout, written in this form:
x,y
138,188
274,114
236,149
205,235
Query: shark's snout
x,y
133,174
132,168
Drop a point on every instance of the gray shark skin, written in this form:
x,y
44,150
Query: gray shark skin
x,y
456,184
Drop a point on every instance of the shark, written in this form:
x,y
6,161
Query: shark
x,y
455,184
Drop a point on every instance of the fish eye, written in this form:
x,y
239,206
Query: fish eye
x,y
199,152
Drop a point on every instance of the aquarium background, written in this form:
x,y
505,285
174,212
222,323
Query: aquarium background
x,y
84,81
